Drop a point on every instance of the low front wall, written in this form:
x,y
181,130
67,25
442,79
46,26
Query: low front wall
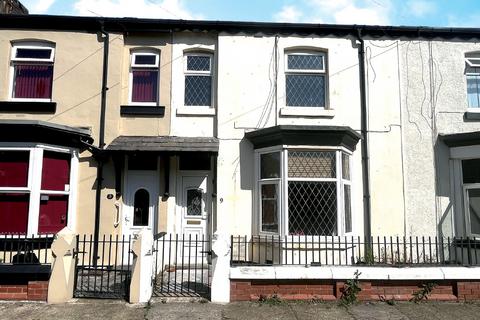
x,y
33,290
327,284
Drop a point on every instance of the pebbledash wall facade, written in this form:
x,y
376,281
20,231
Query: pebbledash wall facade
x,y
197,127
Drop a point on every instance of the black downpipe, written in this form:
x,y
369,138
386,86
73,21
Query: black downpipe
x,y
101,144
364,132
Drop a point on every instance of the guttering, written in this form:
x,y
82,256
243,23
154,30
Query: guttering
x,y
101,142
364,143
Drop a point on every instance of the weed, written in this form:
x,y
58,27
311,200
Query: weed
x,y
351,290
423,293
272,300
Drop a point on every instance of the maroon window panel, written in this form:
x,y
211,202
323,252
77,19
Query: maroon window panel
x,y
53,213
33,81
14,168
144,85
56,170
14,213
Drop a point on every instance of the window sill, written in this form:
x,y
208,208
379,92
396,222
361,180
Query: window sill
x,y
196,111
472,114
28,106
139,110
307,112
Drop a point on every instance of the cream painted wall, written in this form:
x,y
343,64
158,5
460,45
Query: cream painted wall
x,y
77,90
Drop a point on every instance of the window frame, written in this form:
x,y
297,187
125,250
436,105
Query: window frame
x,y
25,61
133,66
209,73
287,71
466,211
283,181
34,188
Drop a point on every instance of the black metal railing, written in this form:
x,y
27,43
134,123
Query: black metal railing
x,y
25,250
335,250
182,265
107,275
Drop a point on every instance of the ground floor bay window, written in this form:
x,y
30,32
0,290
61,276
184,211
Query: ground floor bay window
x,y
36,190
304,191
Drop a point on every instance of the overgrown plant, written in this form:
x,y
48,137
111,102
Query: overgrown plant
x,y
271,300
423,293
351,290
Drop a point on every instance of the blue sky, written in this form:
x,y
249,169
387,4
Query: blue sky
x,y
460,13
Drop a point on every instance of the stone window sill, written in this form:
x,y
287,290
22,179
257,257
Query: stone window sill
x,y
307,112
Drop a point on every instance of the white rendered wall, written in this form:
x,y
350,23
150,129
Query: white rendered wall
x,y
184,124
246,101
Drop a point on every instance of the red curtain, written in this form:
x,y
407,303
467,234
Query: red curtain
x,y
55,170
14,213
33,81
53,214
14,168
144,86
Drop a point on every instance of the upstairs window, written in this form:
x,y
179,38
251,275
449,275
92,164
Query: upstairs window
x,y
144,78
305,79
32,69
472,72
198,79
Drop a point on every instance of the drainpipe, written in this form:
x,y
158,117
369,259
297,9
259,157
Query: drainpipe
x,y
364,133
100,157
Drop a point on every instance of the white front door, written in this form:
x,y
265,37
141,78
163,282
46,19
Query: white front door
x,y
195,205
140,201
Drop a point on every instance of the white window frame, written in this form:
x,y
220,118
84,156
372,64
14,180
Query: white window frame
x,y
299,110
472,62
15,61
466,187
35,180
277,181
134,66
283,187
198,109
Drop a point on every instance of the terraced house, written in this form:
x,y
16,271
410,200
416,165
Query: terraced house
x,y
328,146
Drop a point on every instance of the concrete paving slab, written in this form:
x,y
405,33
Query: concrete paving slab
x,y
439,310
374,311
320,311
79,310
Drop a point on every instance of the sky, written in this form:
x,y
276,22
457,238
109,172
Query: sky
x,y
437,13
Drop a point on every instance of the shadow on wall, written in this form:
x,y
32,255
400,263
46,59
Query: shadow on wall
x,y
442,189
247,165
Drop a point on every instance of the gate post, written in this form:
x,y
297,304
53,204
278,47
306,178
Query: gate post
x,y
220,292
141,281
62,278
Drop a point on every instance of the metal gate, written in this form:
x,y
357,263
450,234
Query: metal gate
x,y
106,276
182,266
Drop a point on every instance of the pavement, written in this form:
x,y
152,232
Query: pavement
x,y
168,310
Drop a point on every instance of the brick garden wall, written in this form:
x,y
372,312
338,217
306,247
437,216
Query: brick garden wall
x,y
327,290
33,290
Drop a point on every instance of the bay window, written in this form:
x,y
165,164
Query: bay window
x,y
144,77
304,191
35,189
32,71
